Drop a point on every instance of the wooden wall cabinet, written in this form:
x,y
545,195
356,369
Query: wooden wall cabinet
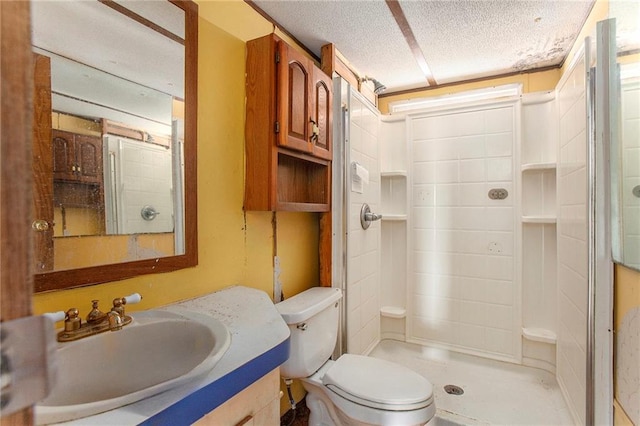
x,y
288,129
76,157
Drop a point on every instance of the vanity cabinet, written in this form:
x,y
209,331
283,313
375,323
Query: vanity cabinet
x,y
259,404
288,129
76,157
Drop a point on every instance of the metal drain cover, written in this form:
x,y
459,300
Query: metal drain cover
x,y
453,390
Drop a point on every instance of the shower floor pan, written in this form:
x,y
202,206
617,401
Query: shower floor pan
x,y
495,393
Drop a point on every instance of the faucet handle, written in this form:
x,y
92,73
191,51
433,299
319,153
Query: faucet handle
x,y
132,298
54,317
118,303
72,322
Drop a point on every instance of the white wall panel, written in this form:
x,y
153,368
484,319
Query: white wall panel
x,y
363,246
572,241
463,290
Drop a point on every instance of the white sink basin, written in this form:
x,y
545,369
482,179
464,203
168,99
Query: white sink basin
x,y
159,350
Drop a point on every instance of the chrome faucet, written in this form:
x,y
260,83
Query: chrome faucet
x,y
96,321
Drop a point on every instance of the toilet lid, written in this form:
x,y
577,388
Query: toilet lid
x,y
378,383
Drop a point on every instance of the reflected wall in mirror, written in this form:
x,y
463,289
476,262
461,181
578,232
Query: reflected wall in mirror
x,y
114,139
626,170
625,155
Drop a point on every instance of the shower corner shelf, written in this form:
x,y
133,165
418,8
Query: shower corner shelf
x,y
394,173
539,219
539,335
394,217
538,166
393,312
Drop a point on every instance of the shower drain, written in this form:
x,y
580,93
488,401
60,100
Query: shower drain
x,y
453,390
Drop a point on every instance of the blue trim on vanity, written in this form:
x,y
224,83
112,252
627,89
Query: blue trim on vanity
x,y
195,406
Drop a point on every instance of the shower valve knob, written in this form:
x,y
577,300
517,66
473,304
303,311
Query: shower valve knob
x,y
366,216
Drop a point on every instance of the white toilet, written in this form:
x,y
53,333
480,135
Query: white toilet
x,y
354,389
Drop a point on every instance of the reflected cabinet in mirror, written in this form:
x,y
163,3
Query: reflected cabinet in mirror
x,y
114,139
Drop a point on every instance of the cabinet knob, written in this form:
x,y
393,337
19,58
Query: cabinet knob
x,y
315,130
40,225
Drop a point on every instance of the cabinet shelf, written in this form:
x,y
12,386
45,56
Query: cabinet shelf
x,y
307,182
539,219
538,166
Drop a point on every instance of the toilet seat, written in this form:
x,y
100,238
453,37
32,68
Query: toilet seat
x,y
378,384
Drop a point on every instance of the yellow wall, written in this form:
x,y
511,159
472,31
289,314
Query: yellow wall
x,y
599,12
626,297
89,250
533,82
75,124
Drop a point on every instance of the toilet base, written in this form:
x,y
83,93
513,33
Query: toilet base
x,y
322,412
319,414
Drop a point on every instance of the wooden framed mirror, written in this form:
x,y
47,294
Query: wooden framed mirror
x,y
115,110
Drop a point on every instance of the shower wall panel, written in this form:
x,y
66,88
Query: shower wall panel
x,y
363,246
464,291
572,240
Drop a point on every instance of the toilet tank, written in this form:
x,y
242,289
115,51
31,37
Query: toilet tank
x,y
312,317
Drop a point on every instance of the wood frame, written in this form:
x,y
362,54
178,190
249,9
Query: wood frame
x,y
15,168
57,280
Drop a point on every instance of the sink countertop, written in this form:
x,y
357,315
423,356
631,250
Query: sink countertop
x,y
259,343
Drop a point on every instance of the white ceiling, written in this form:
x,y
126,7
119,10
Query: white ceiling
x,y
458,39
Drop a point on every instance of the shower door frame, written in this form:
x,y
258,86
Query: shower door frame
x,y
603,115
341,201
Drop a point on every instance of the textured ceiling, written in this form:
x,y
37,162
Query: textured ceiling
x,y
458,39
102,38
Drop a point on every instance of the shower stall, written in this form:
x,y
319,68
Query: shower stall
x,y
487,241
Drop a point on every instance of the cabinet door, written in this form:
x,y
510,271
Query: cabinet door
x,y
294,115
64,163
88,158
321,114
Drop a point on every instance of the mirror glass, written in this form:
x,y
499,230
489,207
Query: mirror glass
x,y
111,136
625,155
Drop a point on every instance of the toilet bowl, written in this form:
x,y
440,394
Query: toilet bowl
x,y
354,389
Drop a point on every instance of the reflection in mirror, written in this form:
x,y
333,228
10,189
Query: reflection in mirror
x,y
114,138
625,155
626,170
